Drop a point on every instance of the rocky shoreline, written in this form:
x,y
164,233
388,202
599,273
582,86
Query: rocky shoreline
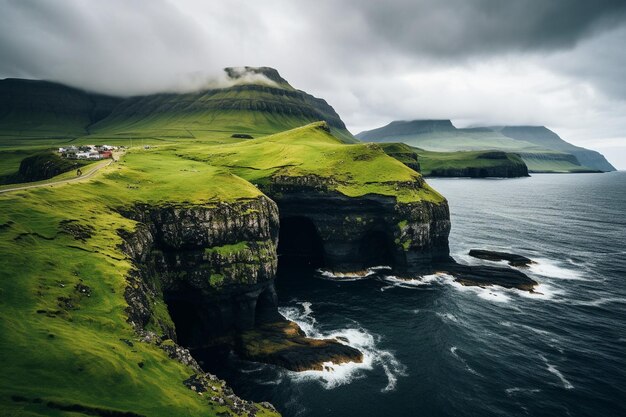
x,y
214,266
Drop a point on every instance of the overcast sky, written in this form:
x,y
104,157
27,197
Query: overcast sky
x,y
559,63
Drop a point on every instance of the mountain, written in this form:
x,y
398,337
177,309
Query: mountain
x,y
543,136
251,100
406,128
31,108
442,136
540,152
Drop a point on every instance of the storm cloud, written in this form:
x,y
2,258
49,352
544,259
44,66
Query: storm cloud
x,y
558,63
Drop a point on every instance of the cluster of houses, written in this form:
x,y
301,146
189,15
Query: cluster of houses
x,y
92,152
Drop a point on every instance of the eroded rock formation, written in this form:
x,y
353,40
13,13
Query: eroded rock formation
x,y
356,233
209,263
214,266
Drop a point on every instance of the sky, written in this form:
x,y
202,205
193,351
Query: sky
x,y
558,63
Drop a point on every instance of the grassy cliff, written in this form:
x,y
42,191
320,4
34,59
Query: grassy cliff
x,y
65,341
66,344
475,164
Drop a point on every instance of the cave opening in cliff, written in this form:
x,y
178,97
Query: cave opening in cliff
x,y
299,243
376,249
185,306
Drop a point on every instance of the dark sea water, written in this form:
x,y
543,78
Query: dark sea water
x,y
434,348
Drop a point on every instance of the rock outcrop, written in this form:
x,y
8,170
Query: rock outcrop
x,y
511,258
496,164
371,230
484,276
209,263
214,266
283,343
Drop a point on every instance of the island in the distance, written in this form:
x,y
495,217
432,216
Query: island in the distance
x,y
496,151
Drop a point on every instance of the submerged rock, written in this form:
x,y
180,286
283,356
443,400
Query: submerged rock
x,y
513,259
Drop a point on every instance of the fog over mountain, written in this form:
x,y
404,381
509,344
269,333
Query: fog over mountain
x,y
478,62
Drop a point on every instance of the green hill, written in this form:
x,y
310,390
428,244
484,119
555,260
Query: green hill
x,y
542,152
253,100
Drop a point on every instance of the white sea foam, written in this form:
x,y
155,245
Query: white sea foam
x,y
453,350
491,293
519,390
494,293
420,281
552,269
351,276
334,375
448,317
541,291
270,382
553,370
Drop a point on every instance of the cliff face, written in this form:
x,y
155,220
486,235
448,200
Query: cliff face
x,y
210,264
506,169
214,267
355,233
334,206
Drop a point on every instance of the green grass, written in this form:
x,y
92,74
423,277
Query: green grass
x,y
73,355
353,170
63,347
430,161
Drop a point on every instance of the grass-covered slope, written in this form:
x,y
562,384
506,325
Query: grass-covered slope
x,y
66,345
64,340
542,152
458,164
251,109
250,101
313,152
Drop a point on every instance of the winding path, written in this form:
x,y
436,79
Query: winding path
x,y
97,167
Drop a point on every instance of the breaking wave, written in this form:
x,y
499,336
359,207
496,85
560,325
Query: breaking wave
x,y
335,375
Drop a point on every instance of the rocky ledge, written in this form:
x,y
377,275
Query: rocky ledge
x,y
283,343
482,276
511,258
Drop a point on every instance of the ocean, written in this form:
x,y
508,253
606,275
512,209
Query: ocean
x,y
435,348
